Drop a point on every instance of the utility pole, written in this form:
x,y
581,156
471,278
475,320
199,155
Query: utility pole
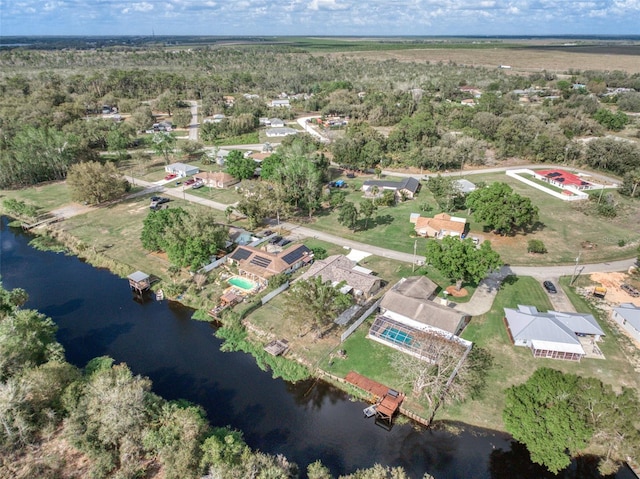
x,y
575,270
415,247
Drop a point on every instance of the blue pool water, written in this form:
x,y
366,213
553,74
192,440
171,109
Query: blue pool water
x,y
242,283
397,336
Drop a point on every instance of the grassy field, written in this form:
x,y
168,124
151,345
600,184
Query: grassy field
x,y
565,227
45,197
523,58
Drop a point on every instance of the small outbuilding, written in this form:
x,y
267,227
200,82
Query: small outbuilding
x,y
139,282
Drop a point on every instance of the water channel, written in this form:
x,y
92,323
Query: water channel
x,y
97,315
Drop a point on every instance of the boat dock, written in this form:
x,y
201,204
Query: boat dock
x,y
387,401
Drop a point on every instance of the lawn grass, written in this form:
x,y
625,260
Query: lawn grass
x,y
46,196
246,139
566,226
514,365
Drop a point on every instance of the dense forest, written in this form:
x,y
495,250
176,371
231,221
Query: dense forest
x,y
401,114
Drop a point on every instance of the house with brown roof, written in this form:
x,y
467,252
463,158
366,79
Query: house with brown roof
x,y
439,226
219,179
260,265
340,269
409,316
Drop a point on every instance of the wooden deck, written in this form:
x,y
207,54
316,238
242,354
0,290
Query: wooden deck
x,y
387,400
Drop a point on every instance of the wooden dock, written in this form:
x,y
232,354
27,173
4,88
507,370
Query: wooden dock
x,y
387,401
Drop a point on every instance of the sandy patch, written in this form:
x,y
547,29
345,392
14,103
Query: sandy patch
x,y
612,282
451,291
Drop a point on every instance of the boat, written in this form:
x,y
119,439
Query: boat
x,y
159,295
369,411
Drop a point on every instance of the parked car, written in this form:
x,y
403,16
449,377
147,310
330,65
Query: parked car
x,y
190,182
630,290
157,202
198,184
550,287
283,242
275,239
170,176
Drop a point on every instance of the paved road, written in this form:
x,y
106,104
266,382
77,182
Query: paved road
x,y
194,125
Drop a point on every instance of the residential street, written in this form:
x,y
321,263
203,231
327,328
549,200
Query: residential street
x,y
484,294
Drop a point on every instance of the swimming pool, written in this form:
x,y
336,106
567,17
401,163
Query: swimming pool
x,y
397,336
242,283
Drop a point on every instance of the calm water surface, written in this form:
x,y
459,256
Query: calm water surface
x,y
97,315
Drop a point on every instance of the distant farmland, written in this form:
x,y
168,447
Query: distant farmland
x,y
525,58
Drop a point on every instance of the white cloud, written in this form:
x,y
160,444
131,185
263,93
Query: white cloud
x,y
138,7
326,5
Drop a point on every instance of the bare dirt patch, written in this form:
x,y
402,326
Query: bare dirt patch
x,y
612,282
452,291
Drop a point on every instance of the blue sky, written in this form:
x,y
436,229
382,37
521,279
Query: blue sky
x,y
319,17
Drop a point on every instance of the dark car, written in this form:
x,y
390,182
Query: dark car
x,y
630,290
275,239
283,242
550,287
267,233
157,202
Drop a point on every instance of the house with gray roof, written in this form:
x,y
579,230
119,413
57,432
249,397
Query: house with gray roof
x,y
181,169
554,334
340,269
286,131
627,315
408,187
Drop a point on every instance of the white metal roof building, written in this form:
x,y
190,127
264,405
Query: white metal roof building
x,y
552,334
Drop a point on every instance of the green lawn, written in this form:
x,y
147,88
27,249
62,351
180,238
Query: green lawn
x,y
45,197
564,228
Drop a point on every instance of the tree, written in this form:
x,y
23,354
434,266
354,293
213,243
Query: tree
x,y
109,416
316,302
611,121
95,183
163,144
177,439
543,414
431,369
193,150
194,239
37,154
460,260
536,246
630,183
118,140
167,102
182,117
367,209
156,225
240,167
501,209
348,215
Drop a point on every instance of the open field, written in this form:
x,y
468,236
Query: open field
x,y
523,58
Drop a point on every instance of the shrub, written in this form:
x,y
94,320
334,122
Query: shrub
x,y
536,246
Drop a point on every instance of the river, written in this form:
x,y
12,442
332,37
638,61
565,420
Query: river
x,y
98,315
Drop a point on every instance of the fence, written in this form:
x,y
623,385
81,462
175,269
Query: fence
x,y
274,293
355,325
577,195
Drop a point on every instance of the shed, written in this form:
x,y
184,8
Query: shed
x,y
139,282
181,169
